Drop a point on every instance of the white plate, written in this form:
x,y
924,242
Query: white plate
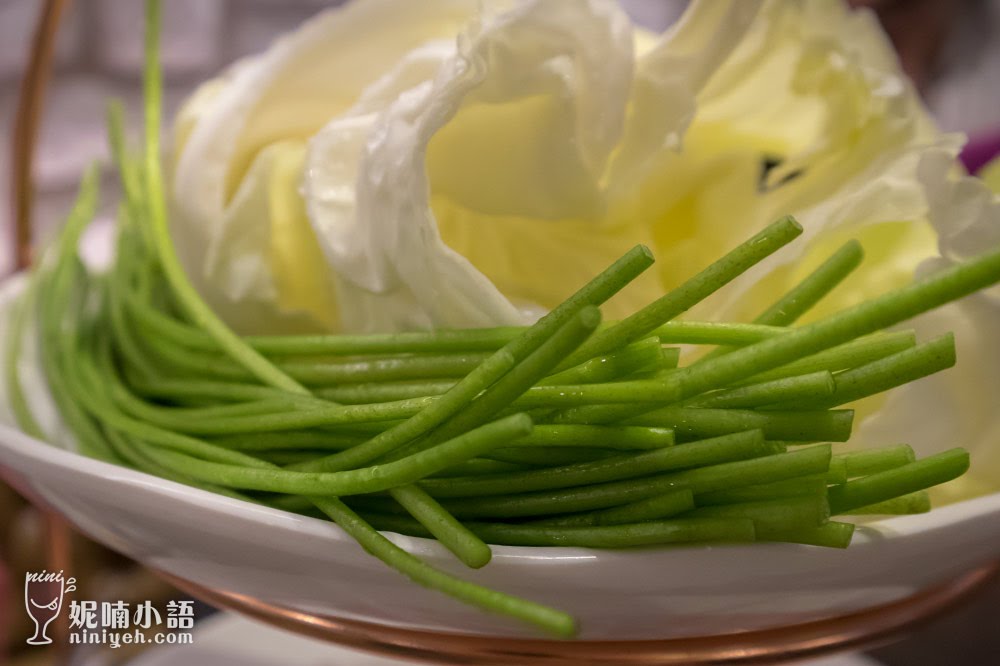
x,y
652,593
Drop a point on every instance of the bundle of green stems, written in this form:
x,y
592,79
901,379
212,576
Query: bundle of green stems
x,y
568,432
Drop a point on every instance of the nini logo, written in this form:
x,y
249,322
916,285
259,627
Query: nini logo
x,y
43,599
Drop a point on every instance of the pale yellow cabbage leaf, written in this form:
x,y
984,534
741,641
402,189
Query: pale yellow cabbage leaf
x,y
399,165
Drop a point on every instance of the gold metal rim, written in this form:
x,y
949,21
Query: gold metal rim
x,y
856,630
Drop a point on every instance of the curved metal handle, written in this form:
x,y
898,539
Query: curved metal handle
x,y
31,99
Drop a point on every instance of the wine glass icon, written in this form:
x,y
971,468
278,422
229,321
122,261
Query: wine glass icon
x,y
43,596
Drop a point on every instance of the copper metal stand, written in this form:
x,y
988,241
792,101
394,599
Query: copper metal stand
x,y
786,643
31,101
854,631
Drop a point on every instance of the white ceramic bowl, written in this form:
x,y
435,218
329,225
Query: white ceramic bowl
x,y
650,593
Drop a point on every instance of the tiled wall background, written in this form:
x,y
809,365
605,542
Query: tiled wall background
x,y
99,56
